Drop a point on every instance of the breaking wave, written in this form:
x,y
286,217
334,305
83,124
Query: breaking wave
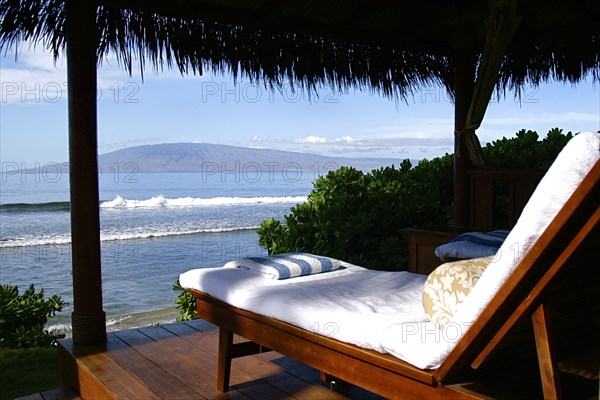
x,y
161,201
107,237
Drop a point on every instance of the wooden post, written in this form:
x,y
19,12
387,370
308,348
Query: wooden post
x,y
464,82
88,318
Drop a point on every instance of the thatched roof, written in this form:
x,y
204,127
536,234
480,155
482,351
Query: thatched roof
x,y
391,47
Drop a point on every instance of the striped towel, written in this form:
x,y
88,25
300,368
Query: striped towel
x,y
288,265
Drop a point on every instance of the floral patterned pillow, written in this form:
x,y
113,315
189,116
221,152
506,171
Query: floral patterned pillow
x,y
448,286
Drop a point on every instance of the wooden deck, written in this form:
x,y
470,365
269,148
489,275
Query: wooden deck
x,y
179,361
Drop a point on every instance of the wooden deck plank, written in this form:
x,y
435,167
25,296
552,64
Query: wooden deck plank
x,y
337,390
178,361
35,396
282,379
294,380
207,341
204,360
259,366
271,385
300,389
93,374
260,390
253,381
60,394
160,382
185,364
210,344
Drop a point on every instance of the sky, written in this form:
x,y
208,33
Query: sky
x,y
167,108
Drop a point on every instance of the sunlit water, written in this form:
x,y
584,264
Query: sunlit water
x,y
153,227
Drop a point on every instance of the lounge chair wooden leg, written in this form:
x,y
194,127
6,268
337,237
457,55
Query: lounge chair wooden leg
x,y
544,342
325,377
224,361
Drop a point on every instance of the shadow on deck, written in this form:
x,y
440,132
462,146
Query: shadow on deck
x,y
179,361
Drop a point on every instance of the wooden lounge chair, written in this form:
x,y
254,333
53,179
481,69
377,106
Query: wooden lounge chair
x,y
545,312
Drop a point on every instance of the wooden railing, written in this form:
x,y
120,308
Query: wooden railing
x,y
496,200
497,196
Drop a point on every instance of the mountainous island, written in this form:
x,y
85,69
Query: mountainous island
x,y
203,157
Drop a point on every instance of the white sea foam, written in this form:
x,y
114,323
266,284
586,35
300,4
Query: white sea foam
x,y
113,236
112,322
156,234
66,328
60,328
122,322
161,201
43,240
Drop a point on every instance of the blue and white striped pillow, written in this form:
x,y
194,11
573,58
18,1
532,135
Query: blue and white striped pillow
x,y
287,265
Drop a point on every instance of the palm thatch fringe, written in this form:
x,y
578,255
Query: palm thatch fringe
x,y
194,46
277,57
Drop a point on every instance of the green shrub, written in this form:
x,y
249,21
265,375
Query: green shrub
x,y
186,303
525,150
22,317
269,234
358,217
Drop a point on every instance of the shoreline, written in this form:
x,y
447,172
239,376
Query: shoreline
x,y
123,322
138,320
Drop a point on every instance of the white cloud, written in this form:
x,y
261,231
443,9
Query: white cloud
x,y
388,142
358,149
423,136
312,140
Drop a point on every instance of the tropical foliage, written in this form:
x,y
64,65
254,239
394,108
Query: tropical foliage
x,y
186,304
23,316
526,150
358,217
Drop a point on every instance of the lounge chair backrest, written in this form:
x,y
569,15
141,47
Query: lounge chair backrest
x,y
564,204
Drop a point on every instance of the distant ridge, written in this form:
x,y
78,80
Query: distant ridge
x,y
210,158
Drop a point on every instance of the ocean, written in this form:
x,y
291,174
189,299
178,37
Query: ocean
x,y
154,226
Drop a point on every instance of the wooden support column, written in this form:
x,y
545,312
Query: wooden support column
x,y
464,83
88,318
501,25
